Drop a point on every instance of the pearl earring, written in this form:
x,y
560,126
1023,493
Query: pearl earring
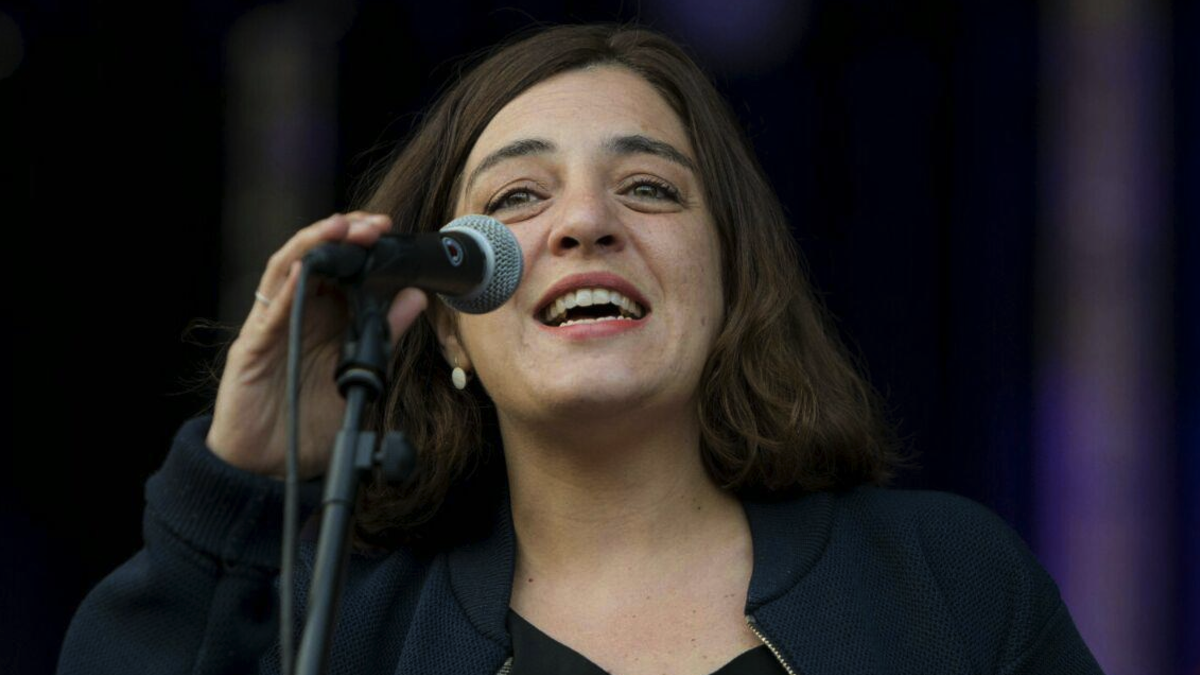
x,y
458,376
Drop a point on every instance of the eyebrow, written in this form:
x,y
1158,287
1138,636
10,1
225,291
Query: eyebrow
x,y
521,148
635,144
644,145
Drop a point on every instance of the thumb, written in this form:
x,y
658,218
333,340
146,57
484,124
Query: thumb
x,y
406,306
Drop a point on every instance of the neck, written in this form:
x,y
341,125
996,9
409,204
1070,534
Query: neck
x,y
597,499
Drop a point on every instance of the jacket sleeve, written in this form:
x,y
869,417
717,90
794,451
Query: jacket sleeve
x,y
1044,640
200,596
1055,648
1008,607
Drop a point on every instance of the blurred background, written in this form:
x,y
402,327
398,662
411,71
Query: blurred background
x,y
1000,201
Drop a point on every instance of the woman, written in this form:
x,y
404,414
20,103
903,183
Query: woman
x,y
653,458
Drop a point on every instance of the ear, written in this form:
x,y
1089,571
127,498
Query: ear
x,y
445,324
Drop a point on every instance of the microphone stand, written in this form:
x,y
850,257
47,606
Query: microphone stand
x,y
361,379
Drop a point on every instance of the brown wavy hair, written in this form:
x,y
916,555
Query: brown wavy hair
x,y
783,407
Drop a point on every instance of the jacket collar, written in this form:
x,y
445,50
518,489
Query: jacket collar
x,y
481,574
838,587
788,539
818,616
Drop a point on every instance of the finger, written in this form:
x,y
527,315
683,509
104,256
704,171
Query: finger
x,y
358,227
333,228
366,228
271,321
369,215
406,306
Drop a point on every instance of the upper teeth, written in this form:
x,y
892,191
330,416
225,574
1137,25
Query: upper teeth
x,y
587,297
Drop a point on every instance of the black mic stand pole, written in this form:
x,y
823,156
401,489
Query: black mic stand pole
x,y
361,379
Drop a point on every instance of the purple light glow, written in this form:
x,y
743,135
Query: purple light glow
x,y
1102,462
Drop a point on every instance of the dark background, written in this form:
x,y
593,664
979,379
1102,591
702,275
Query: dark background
x,y
907,140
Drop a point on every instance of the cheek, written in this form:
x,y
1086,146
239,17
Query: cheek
x,y
703,267
531,238
715,283
472,331
491,340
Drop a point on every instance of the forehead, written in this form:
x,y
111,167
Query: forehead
x,y
583,106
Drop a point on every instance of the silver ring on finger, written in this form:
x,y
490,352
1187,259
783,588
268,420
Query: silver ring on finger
x,y
258,296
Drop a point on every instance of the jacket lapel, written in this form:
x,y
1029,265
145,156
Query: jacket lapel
x,y
836,593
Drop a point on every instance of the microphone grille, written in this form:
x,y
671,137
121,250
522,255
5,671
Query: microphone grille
x,y
505,264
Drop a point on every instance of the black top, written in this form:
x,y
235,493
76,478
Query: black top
x,y
535,653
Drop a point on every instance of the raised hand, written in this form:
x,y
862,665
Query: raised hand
x,y
249,427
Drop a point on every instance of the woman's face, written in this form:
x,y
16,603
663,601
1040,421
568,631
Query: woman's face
x,y
594,174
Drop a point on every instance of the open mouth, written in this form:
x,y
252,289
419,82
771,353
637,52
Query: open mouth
x,y
590,305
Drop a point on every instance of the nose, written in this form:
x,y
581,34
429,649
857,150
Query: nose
x,y
587,224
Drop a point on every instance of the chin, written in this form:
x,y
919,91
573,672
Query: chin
x,y
597,397
606,402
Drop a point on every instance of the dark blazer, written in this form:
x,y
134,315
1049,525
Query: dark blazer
x,y
866,581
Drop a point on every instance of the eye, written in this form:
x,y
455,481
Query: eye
x,y
650,189
515,197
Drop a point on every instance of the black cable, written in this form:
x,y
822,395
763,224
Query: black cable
x,y
291,510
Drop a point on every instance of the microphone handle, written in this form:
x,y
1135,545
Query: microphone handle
x,y
449,263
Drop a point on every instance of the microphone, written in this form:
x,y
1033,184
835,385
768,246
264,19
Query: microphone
x,y
474,263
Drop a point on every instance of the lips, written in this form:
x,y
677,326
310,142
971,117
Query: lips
x,y
589,298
